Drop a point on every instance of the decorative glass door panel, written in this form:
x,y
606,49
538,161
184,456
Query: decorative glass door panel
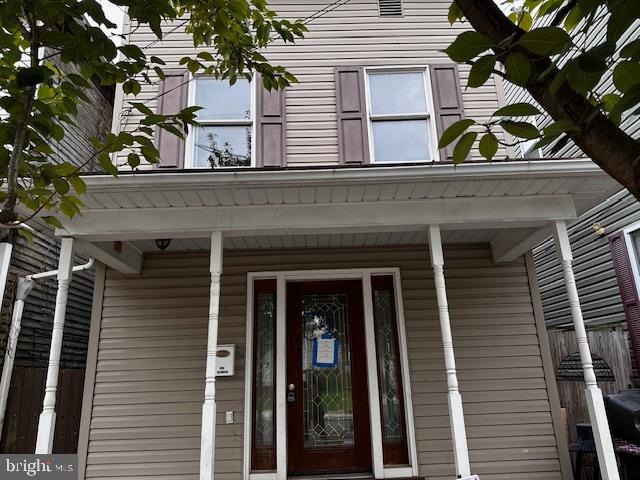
x,y
327,390
394,440
327,416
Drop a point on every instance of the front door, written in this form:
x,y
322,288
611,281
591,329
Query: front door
x,y
327,397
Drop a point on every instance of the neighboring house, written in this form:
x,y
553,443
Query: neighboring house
x,y
294,246
604,241
31,356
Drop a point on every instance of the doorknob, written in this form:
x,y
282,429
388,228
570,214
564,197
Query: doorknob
x,y
291,396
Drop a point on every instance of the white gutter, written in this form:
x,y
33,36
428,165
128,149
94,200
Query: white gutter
x,y
25,284
319,175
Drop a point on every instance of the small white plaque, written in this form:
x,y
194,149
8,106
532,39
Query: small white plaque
x,y
225,360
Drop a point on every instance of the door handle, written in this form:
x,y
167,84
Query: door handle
x,y
291,394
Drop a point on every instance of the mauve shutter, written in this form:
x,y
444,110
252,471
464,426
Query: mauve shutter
x,y
173,93
353,141
628,291
271,139
447,99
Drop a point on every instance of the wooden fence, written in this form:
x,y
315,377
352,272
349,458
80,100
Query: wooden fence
x,y
24,406
612,346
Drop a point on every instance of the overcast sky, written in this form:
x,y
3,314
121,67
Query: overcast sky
x,y
116,15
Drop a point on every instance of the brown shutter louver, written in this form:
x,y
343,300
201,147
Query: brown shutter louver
x,y
628,290
271,142
447,99
353,141
173,97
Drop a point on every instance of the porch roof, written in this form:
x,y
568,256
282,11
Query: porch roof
x,y
337,206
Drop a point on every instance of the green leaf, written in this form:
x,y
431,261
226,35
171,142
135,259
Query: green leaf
x,y
626,75
133,159
609,101
30,77
78,185
53,221
454,13
545,41
588,5
517,69
549,7
561,126
107,165
520,129
454,131
488,146
580,80
463,147
573,19
526,21
630,99
61,185
631,50
26,233
623,14
467,46
481,70
517,110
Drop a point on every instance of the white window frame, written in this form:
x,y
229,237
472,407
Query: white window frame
x,y
429,116
380,471
631,251
191,137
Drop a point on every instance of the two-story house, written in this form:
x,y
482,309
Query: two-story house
x,y
271,299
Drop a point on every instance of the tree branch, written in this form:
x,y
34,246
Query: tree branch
x,y
8,213
600,139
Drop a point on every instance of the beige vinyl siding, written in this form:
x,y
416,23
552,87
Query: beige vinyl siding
x,y
351,34
150,365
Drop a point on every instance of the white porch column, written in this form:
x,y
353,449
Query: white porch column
x,y
24,287
5,260
208,435
595,403
456,416
46,426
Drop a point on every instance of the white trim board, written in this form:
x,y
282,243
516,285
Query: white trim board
x,y
196,222
281,428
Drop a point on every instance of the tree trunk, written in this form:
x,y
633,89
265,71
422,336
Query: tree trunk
x,y
600,139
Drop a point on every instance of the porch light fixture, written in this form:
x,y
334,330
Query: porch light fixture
x,y
163,243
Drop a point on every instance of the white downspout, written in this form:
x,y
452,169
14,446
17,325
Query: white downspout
x,y
25,284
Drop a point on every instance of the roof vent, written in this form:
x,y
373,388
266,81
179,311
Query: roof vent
x,y
390,8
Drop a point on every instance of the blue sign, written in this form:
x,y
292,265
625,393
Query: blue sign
x,y
325,351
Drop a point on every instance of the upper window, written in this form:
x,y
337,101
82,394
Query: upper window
x,y
401,123
225,136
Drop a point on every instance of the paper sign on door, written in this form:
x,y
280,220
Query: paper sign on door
x,y
325,352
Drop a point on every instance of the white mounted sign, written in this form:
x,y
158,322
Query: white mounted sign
x,y
225,360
